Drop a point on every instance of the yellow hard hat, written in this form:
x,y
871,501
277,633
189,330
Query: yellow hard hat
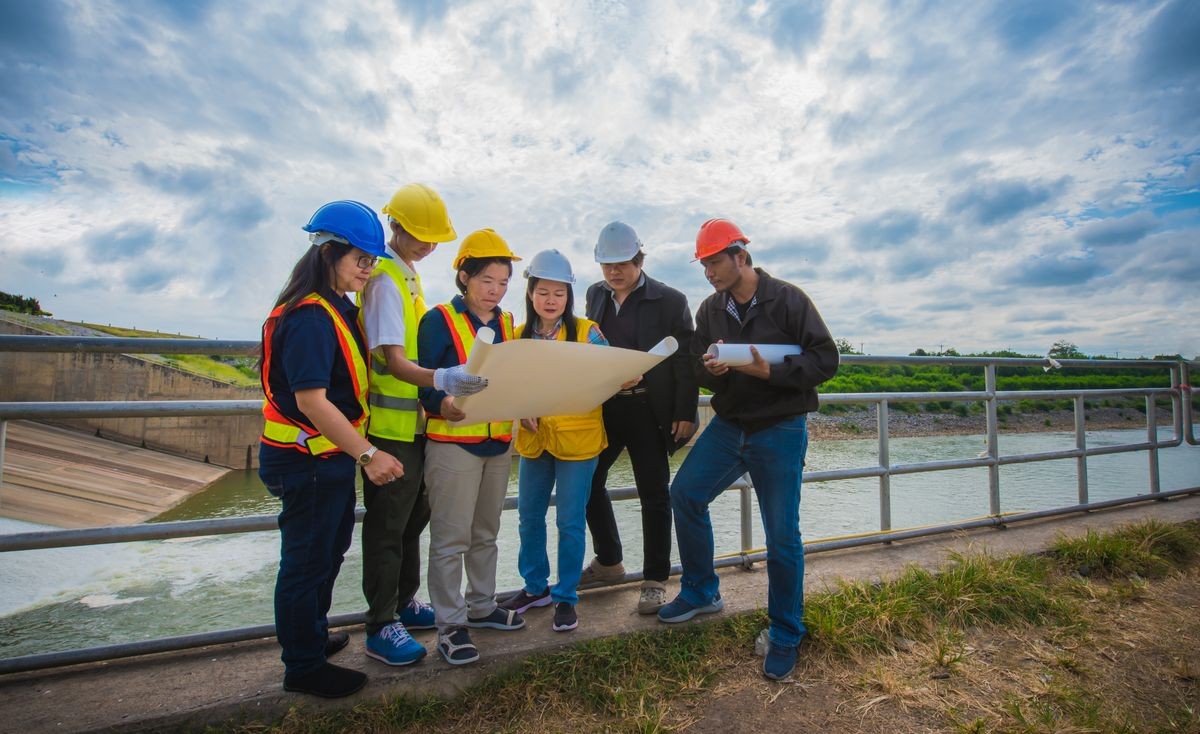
x,y
483,243
422,213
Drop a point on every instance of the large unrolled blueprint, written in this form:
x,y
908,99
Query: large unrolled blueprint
x,y
531,378
738,355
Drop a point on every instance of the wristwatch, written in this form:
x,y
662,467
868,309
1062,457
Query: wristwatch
x,y
365,457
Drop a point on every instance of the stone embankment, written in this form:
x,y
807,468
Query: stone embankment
x,y
863,423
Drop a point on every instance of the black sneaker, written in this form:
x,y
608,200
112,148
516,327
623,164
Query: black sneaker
x,y
523,601
565,618
455,645
335,642
327,681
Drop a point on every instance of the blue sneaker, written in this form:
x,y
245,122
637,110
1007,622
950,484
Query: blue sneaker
x,y
780,660
680,610
394,646
418,616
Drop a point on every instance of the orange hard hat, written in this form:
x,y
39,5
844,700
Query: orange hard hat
x,y
715,235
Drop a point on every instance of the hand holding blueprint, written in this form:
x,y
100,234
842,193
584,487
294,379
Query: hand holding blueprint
x,y
530,378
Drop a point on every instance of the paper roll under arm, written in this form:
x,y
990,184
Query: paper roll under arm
x,y
738,355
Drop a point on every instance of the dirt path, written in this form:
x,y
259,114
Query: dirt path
x,y
1136,668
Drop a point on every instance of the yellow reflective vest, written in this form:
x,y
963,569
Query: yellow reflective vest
x,y
284,432
566,437
395,410
462,332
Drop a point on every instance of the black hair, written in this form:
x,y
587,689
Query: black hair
x,y
314,271
531,317
473,266
733,250
638,259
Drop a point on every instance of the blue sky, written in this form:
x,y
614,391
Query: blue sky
x,y
977,175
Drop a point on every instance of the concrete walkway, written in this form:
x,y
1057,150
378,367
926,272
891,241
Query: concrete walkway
x,y
242,682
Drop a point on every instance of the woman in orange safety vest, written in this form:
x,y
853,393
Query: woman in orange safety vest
x,y
314,377
466,466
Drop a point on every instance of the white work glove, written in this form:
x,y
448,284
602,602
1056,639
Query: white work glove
x,y
455,381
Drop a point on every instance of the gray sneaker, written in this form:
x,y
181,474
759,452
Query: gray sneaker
x,y
653,597
596,573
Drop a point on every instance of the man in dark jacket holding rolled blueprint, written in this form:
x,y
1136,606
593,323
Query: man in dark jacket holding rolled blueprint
x,y
760,427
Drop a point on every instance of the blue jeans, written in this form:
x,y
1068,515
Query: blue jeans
x,y
775,459
574,482
315,529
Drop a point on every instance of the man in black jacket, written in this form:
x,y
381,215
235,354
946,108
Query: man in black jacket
x,y
760,427
650,420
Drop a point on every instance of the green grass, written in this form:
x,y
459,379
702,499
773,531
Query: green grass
x,y
1149,549
629,683
971,590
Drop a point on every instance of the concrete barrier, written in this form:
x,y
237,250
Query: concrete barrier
x,y
229,441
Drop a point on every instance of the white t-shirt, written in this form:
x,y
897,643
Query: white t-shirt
x,y
383,309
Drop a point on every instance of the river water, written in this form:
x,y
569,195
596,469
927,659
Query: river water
x,y
67,598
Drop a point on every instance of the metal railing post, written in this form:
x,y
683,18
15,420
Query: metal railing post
x,y
1081,477
1152,438
993,443
747,518
885,463
3,440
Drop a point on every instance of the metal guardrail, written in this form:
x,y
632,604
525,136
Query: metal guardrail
x,y
1178,392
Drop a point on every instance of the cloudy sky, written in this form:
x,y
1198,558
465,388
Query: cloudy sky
x,y
976,175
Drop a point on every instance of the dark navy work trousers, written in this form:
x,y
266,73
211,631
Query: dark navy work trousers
x,y
315,529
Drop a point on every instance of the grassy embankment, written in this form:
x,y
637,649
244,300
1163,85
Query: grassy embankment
x,y
233,370
1096,635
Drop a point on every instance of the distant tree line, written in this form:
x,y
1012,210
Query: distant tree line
x,y
852,378
21,304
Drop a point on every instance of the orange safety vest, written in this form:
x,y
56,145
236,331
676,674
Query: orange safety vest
x,y
287,433
462,331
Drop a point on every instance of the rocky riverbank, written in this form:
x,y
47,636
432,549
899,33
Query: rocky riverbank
x,y
863,423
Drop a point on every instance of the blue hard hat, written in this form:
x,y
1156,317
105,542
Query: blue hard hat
x,y
351,222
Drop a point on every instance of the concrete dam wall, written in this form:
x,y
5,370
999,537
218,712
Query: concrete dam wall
x,y
229,441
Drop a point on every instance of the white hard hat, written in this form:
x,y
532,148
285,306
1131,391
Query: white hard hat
x,y
550,265
617,243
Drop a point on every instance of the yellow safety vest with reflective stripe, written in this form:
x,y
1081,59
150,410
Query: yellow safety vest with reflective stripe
x,y
287,433
462,332
395,410
566,437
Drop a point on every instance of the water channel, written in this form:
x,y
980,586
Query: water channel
x,y
69,598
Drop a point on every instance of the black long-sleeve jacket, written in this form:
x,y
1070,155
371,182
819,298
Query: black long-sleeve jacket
x,y
662,312
783,314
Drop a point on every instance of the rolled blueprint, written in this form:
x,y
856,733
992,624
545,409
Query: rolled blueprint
x,y
737,355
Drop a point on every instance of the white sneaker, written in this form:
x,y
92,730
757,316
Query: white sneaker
x,y
653,597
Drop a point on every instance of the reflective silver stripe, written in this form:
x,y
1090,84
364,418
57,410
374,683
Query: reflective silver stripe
x,y
391,403
378,366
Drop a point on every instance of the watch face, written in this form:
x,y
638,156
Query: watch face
x,y
364,459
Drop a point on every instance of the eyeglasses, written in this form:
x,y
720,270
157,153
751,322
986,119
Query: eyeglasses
x,y
366,262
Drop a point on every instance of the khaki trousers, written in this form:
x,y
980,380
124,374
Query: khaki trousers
x,y
466,496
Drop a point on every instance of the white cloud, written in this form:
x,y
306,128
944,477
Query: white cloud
x,y
980,175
